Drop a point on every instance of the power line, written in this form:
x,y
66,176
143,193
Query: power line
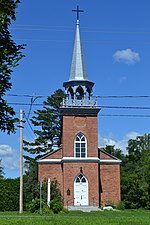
x,y
29,123
33,99
43,29
27,104
68,41
101,115
42,40
28,132
101,106
67,28
36,25
122,96
96,96
125,107
26,95
124,115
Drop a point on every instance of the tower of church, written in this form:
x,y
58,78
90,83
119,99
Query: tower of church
x,y
87,175
80,133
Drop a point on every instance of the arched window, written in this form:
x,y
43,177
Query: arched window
x,y
80,179
80,146
79,93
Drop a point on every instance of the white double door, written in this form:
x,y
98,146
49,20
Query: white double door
x,y
81,191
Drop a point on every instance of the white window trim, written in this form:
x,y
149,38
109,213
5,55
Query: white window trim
x,y
80,146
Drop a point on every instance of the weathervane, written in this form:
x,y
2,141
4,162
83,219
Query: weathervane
x,y
78,11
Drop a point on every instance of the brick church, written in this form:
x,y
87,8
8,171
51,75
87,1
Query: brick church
x,y
87,175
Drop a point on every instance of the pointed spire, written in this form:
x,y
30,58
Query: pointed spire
x,y
78,70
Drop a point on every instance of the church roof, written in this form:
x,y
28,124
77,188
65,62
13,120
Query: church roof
x,y
110,156
56,157
78,70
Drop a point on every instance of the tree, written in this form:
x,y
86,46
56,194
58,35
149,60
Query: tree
x,y
9,194
48,122
10,54
31,187
135,173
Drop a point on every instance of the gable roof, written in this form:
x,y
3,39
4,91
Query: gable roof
x,y
108,154
106,158
46,155
57,157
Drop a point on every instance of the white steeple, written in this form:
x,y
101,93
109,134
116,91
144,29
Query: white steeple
x,y
78,70
78,88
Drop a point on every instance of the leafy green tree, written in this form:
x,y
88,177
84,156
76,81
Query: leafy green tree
x,y
135,173
10,54
137,146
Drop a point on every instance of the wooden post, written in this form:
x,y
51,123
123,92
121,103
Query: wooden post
x,y
48,191
21,162
40,195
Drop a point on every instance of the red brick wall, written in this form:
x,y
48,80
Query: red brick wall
x,y
110,181
105,156
55,155
72,125
52,171
90,171
109,176
66,173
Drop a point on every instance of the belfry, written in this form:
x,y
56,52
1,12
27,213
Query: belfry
x,y
87,175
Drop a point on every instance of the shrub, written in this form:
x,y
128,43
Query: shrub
x,y
56,205
64,210
46,210
9,194
121,205
34,206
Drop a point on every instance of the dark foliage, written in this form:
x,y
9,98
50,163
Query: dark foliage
x,y
9,194
135,174
48,124
10,54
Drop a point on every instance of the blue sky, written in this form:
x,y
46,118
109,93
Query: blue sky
x,y
116,43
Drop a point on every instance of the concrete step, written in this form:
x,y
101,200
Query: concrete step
x,y
84,208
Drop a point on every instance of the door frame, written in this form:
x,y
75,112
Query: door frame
x,y
87,189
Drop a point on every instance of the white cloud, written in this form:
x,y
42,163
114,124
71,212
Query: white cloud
x,y
10,157
121,144
5,150
127,56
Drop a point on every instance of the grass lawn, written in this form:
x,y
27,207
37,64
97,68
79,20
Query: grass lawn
x,y
126,217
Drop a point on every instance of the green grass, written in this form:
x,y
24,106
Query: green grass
x,y
126,217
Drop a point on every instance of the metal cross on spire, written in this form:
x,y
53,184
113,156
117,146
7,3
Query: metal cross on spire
x,y
78,11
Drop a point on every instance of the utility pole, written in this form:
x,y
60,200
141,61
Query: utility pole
x,y
21,162
40,195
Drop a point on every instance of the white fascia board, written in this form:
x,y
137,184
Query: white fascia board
x,y
73,159
50,161
91,159
111,161
87,159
